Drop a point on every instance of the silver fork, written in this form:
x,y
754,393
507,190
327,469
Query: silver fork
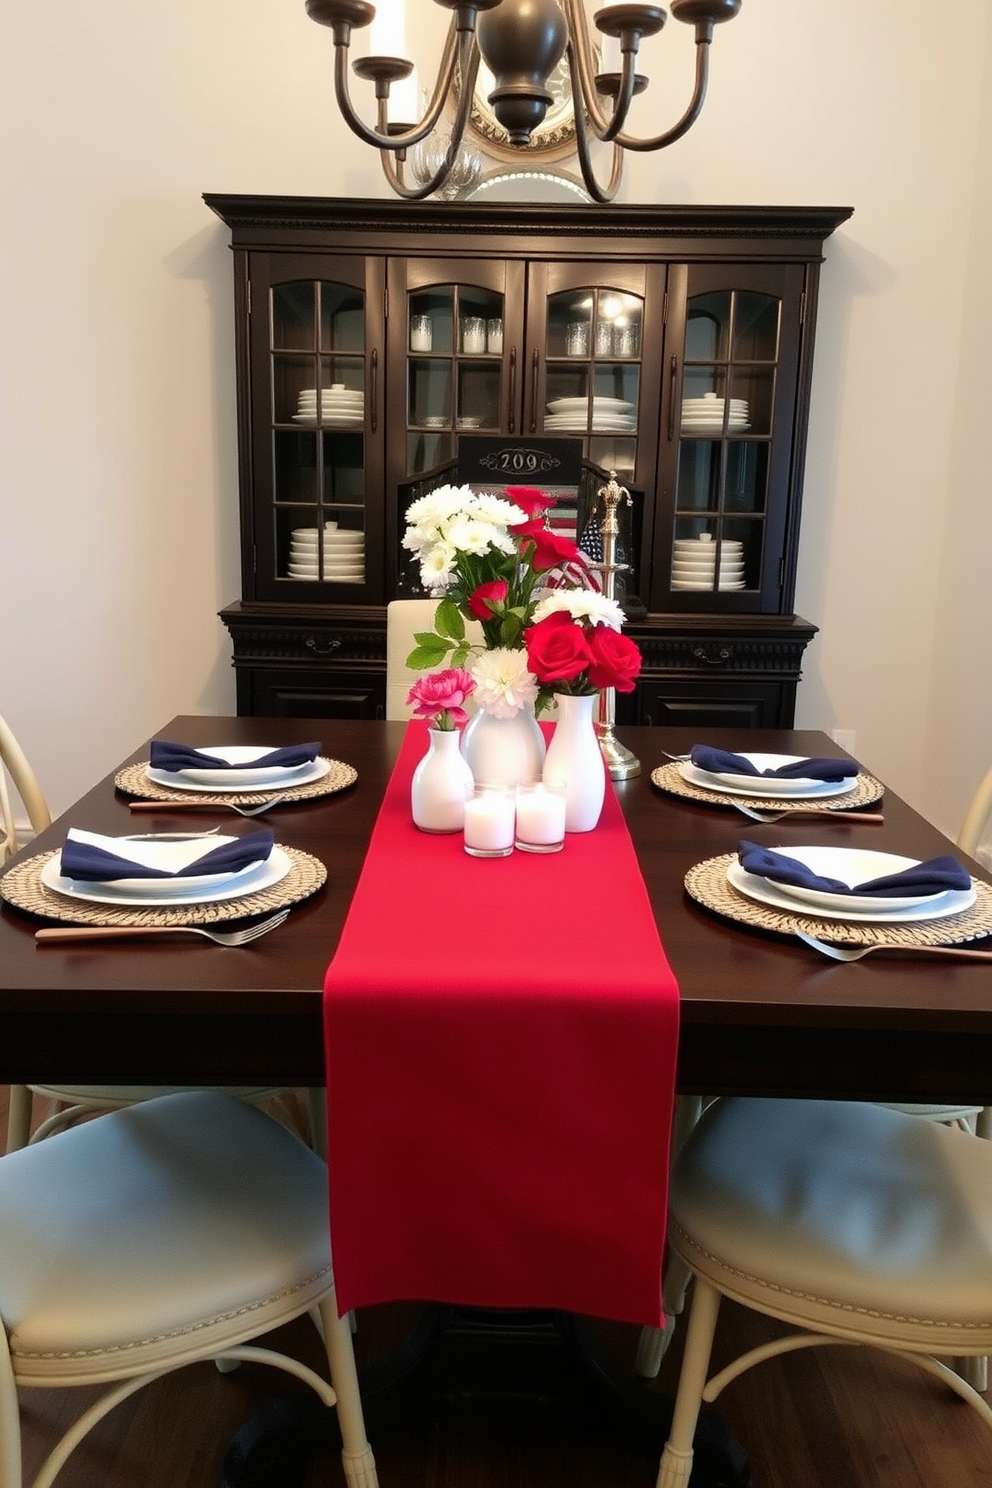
x,y
52,933
774,816
856,953
203,806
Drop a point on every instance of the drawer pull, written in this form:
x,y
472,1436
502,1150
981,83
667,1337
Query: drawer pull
x,y
325,647
706,654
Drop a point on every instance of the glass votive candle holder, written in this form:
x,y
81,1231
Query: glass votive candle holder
x,y
421,333
494,336
473,335
540,817
489,817
577,338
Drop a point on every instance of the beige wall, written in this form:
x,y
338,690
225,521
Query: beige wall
x,y
118,480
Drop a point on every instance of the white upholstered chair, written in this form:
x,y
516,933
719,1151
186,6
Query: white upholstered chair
x,y
70,1102
173,1231
404,618
851,1222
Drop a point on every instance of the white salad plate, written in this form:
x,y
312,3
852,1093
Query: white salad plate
x,y
334,420
708,584
225,782
579,405
152,893
851,866
760,785
955,901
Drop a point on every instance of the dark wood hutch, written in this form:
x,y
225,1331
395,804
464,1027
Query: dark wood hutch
x,y
675,342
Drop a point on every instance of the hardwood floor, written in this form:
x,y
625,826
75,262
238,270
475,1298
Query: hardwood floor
x,y
827,1418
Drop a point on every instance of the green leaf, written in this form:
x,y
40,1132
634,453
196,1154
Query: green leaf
x,y
426,656
448,620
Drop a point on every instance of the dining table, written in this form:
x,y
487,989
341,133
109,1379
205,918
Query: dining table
x,y
761,1013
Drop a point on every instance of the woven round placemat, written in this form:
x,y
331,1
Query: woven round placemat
x,y
707,883
22,887
133,781
866,790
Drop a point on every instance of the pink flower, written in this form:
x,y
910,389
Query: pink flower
x,y
478,601
440,695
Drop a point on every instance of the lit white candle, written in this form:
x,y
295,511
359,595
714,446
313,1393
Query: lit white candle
x,y
540,818
489,824
387,29
404,97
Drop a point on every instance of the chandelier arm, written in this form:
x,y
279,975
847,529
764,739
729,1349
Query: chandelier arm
x,y
596,191
393,161
457,47
659,141
582,73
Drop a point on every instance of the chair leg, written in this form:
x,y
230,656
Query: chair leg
x,y
356,1454
974,1372
676,1460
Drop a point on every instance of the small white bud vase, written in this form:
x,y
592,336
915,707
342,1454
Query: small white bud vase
x,y
575,761
442,782
503,751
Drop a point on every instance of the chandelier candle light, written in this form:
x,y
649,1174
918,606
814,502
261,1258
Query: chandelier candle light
x,y
521,42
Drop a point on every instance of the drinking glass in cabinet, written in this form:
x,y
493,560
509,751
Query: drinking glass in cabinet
x,y
473,335
421,333
494,336
625,340
577,338
604,339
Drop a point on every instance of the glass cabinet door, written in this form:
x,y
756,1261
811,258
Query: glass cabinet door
x,y
314,418
732,375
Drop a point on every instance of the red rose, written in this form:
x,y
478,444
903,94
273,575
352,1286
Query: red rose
x,y
530,500
616,660
546,550
479,600
556,649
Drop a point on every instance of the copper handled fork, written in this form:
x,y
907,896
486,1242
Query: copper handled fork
x,y
855,953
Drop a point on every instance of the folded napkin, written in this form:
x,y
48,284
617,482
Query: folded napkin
x,y
89,857
167,756
723,762
936,876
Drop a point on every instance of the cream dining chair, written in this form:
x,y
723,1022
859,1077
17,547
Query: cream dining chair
x,y
404,618
851,1222
71,1102
177,1230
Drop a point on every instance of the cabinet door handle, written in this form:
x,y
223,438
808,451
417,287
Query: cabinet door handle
x,y
673,385
374,359
325,647
512,419
533,392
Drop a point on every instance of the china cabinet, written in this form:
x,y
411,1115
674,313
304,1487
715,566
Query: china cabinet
x,y
675,343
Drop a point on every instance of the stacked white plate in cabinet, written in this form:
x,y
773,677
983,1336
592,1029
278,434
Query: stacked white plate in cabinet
x,y
705,415
343,560
609,415
340,407
694,563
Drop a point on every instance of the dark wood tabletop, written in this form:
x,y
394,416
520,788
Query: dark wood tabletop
x,y
761,1013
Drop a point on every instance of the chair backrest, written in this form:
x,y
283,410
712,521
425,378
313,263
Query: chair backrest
x,y
976,817
14,764
404,617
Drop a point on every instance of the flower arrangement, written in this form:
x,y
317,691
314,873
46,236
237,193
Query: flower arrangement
x,y
440,698
486,558
574,645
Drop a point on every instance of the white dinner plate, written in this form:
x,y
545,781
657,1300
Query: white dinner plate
x,y
852,866
224,781
155,894
758,785
333,420
578,405
955,901
707,584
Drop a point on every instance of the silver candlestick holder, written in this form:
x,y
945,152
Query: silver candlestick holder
x,y
620,762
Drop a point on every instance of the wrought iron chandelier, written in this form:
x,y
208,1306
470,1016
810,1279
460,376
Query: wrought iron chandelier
x,y
521,42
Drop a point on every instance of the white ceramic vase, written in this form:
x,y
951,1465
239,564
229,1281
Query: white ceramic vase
x,y
441,784
502,751
575,761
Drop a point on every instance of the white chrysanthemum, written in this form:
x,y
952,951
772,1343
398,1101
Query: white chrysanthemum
x,y
437,566
439,505
419,537
498,511
469,535
503,684
581,604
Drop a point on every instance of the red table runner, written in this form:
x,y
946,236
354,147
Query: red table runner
x,y
500,1039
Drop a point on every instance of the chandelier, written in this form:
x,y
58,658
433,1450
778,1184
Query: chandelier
x,y
521,43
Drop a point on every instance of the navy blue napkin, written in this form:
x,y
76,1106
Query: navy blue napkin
x,y
722,762
167,756
936,876
90,863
